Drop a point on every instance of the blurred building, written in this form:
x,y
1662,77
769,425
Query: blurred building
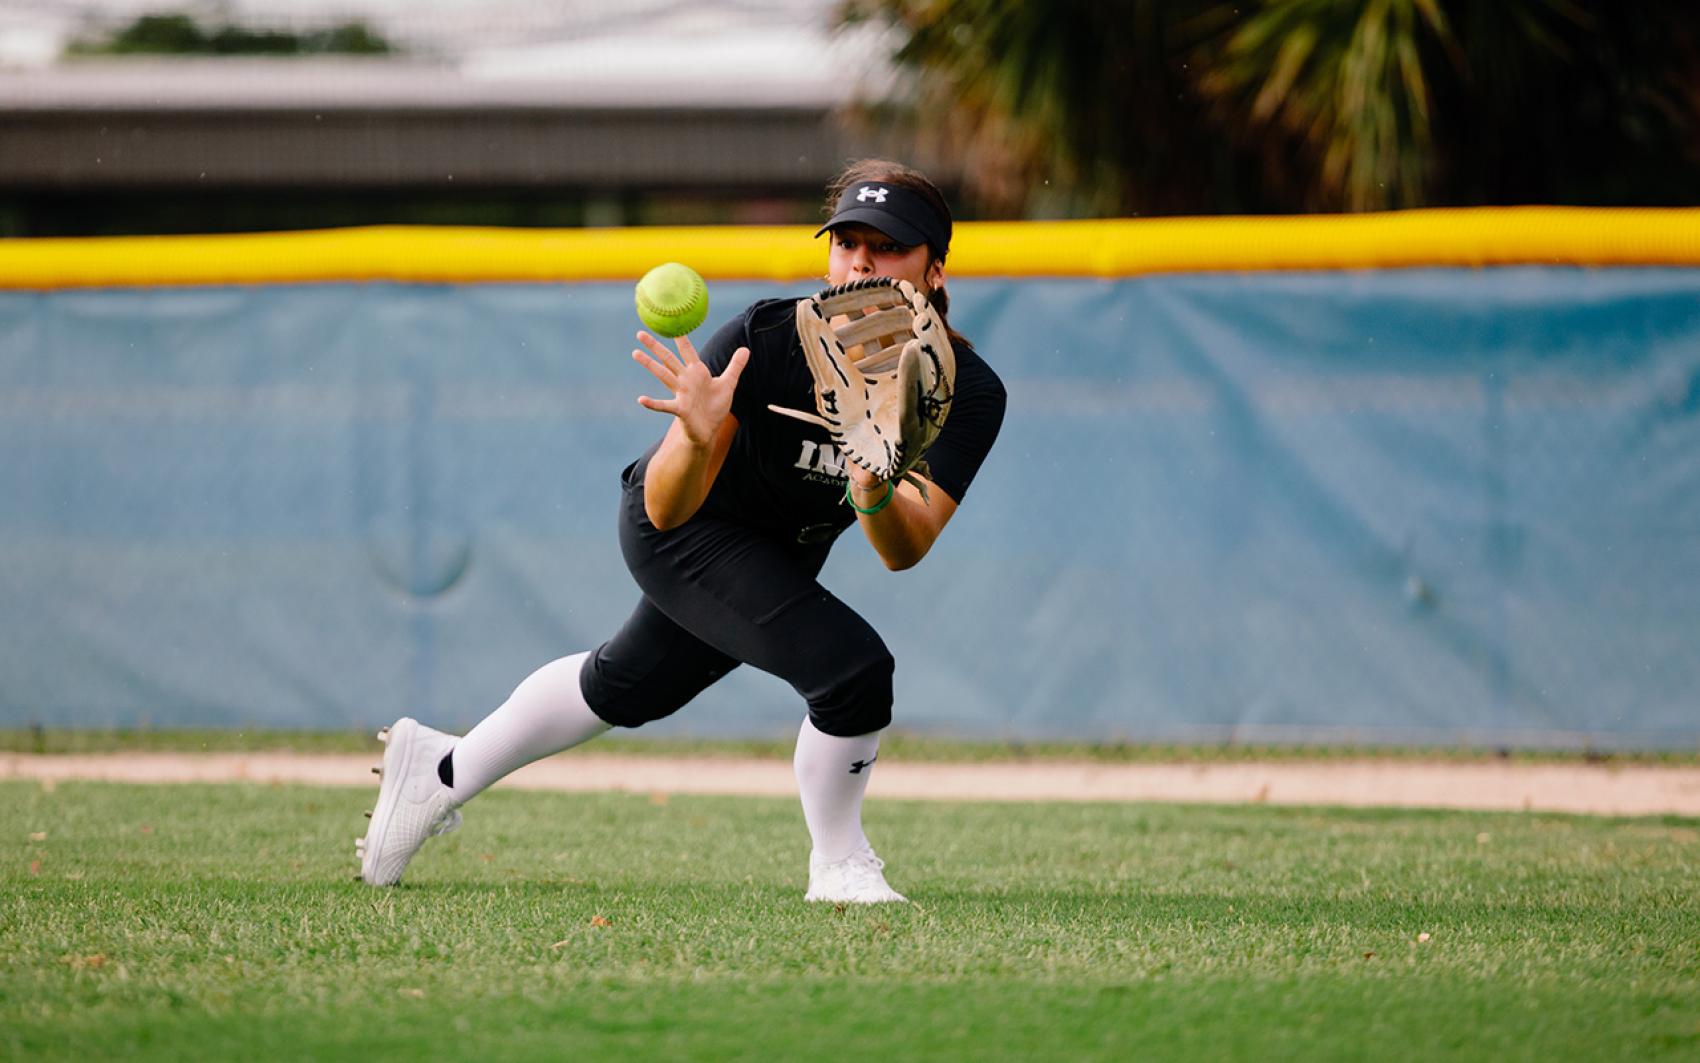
x,y
492,113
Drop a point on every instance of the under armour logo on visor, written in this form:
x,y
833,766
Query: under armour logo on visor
x,y
870,192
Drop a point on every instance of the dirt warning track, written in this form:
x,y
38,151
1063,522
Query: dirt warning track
x,y
1598,789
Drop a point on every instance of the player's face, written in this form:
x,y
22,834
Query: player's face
x,y
860,251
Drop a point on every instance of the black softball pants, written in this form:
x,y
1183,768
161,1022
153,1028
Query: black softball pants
x,y
718,594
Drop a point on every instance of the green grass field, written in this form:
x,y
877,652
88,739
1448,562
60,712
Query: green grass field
x,y
213,921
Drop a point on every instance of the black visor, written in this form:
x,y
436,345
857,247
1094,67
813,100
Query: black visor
x,y
903,215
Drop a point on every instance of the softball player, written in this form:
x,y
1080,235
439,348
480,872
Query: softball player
x,y
725,523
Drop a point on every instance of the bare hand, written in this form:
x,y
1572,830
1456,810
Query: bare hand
x,y
701,401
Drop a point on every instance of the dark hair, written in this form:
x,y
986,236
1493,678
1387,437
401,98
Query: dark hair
x,y
895,173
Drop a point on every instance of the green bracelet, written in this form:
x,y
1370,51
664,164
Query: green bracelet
x,y
881,504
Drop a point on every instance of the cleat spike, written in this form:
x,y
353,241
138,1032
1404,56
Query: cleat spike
x,y
383,734
377,770
367,813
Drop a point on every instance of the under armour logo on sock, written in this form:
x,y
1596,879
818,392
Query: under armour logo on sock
x,y
856,768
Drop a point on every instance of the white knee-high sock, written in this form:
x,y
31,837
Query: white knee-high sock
x,y
545,714
832,776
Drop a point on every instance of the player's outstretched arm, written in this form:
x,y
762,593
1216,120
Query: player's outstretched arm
x,y
905,526
690,455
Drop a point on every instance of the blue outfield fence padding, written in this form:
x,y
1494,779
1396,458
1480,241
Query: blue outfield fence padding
x,y
1429,505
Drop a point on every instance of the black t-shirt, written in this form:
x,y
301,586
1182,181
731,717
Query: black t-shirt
x,y
784,475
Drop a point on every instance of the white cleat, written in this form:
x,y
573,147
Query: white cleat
x,y
413,803
856,879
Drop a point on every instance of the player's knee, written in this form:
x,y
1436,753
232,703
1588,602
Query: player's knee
x,y
632,697
637,705
633,713
857,700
